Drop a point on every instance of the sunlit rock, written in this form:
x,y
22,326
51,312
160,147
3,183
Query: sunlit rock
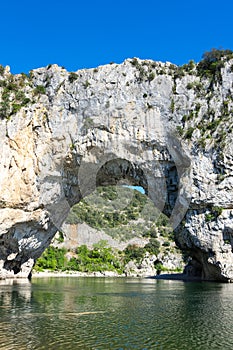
x,y
143,123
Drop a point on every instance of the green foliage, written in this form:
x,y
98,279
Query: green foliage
x,y
201,142
217,211
213,125
25,101
39,90
86,84
153,246
72,77
111,208
151,76
30,75
213,214
196,86
100,258
190,66
152,232
133,252
12,86
114,209
2,83
15,108
197,107
52,259
159,267
172,105
144,74
19,95
162,220
212,62
209,217
180,130
4,109
60,238
189,86
135,62
189,132
179,72
13,96
2,69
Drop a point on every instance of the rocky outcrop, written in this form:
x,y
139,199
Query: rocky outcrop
x,y
166,128
83,234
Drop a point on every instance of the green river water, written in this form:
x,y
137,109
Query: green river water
x,y
115,313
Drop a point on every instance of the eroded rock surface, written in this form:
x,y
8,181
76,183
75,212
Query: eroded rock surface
x,y
166,128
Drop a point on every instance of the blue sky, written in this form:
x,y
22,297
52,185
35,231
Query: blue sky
x,y
138,188
83,34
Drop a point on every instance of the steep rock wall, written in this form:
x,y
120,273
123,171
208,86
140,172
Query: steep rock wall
x,y
166,128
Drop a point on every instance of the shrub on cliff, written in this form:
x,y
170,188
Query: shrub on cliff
x,y
212,62
133,252
153,246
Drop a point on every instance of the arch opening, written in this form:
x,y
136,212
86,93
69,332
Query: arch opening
x,y
113,200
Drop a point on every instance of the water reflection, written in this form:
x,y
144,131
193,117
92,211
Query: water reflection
x,y
96,313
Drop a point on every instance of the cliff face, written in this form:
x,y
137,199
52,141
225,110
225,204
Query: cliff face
x,y
166,128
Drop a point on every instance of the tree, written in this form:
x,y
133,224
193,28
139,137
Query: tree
x,y
212,62
153,246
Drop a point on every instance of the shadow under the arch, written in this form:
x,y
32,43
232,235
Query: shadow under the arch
x,y
177,277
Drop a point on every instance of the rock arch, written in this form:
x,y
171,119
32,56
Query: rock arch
x,y
78,135
73,175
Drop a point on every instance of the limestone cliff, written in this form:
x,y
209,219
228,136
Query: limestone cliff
x,y
153,124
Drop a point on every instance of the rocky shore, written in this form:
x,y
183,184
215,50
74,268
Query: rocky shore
x,y
107,274
75,274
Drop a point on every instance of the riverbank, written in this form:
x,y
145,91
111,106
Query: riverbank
x,y
165,276
75,274
48,274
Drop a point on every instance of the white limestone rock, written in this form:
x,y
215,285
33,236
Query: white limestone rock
x,y
114,123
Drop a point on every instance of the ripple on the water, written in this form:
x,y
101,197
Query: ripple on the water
x,y
103,315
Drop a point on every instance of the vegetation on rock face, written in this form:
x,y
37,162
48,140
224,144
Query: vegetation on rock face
x,y
72,77
2,69
13,94
146,69
122,213
39,89
201,105
208,122
212,125
99,259
16,92
212,62
213,213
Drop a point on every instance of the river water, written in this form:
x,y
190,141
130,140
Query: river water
x,y
115,313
